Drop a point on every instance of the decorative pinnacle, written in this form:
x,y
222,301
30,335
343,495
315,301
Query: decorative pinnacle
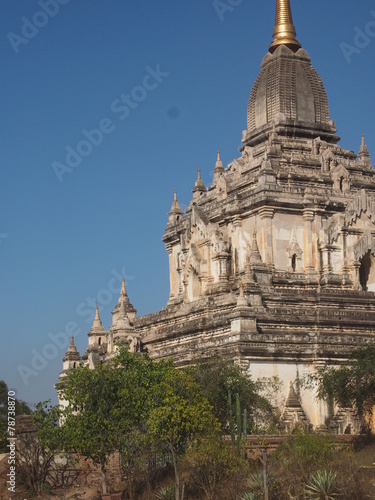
x,y
175,208
123,289
363,150
363,144
199,184
219,169
284,32
241,300
72,353
255,254
124,299
97,317
71,347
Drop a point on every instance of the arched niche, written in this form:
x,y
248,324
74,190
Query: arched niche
x,y
367,272
194,285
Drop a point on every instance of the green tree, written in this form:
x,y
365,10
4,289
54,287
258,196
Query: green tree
x,y
141,375
214,467
107,407
91,421
20,409
352,384
217,376
179,413
297,458
39,462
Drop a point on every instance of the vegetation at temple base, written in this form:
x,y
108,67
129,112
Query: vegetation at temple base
x,y
172,429
217,377
211,464
179,414
40,463
91,422
352,385
130,404
21,408
108,407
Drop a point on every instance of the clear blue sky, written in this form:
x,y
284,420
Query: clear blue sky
x,y
65,245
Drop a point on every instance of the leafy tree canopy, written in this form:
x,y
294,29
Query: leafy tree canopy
x,y
179,414
352,384
129,402
216,376
21,409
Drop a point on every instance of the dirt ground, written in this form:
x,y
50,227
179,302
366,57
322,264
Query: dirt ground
x,y
74,492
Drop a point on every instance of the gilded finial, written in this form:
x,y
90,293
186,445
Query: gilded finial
x,y
284,32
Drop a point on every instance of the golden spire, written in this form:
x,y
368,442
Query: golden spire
x,y
284,32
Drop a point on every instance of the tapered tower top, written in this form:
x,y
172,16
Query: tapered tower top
x,y
284,32
288,96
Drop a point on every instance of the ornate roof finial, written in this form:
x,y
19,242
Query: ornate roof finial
x,y
363,145
219,169
175,208
123,289
284,32
363,155
255,254
72,347
219,163
97,321
97,326
124,299
71,353
241,300
199,184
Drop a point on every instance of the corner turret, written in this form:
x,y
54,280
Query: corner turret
x,y
199,188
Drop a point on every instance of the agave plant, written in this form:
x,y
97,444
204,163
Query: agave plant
x,y
251,496
166,493
322,485
255,484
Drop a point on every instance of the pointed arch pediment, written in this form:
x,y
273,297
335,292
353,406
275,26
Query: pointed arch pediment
x,y
199,228
340,177
198,217
221,188
364,245
194,260
293,248
362,203
340,171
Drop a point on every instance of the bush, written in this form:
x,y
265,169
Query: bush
x,y
322,485
298,458
166,493
215,469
